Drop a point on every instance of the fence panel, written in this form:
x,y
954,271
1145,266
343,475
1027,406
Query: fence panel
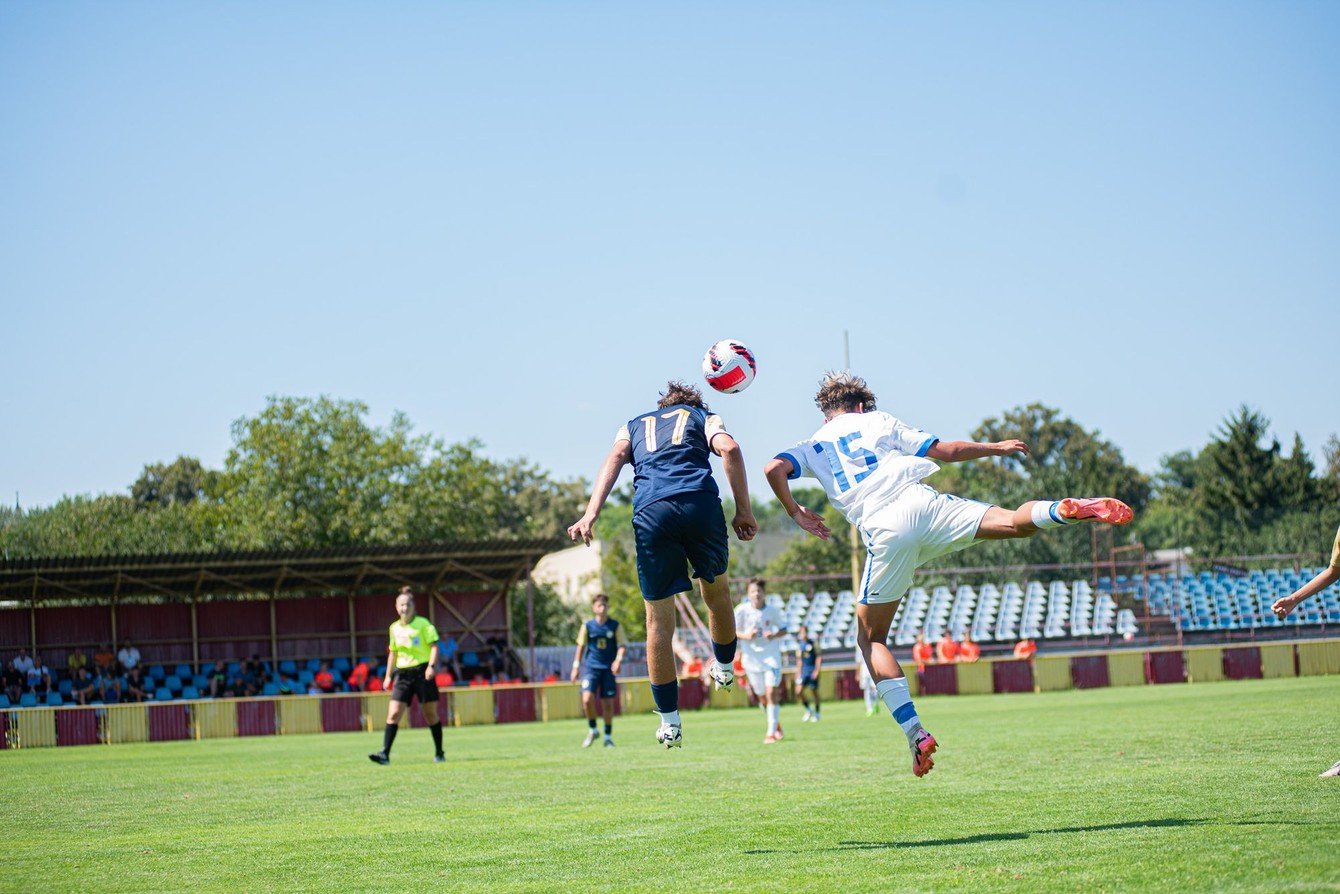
x,y
1243,663
125,723
1012,676
1127,668
1277,660
938,679
1165,667
471,706
515,704
1318,658
342,715
214,720
76,726
36,727
974,678
1204,665
300,715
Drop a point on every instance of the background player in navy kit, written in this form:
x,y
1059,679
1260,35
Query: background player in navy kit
x,y
677,520
603,642
808,662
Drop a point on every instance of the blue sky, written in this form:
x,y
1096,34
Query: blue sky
x,y
515,221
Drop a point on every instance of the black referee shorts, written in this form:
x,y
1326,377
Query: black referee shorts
x,y
410,681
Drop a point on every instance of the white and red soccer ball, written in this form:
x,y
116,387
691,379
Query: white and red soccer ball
x,y
729,366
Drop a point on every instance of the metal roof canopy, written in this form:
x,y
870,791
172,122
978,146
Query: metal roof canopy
x,y
354,570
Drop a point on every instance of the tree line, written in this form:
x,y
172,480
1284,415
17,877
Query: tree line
x,y
312,472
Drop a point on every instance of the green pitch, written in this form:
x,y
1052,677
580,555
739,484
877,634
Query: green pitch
x,y
1176,788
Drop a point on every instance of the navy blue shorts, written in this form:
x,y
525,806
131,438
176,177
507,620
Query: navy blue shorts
x,y
674,532
599,682
809,681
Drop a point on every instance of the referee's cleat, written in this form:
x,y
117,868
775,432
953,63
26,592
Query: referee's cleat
x,y
669,735
380,757
722,676
590,739
609,743
1102,509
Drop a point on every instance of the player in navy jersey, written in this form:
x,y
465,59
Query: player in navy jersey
x,y
808,662
677,522
602,643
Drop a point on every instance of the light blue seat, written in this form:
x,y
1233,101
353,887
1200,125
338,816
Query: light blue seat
x,y
270,689
54,700
189,692
28,700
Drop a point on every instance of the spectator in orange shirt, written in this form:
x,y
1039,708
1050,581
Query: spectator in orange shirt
x,y
946,650
968,651
922,652
444,678
324,679
104,659
358,677
1025,648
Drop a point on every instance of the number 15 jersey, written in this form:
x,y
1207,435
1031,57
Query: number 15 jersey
x,y
863,460
670,452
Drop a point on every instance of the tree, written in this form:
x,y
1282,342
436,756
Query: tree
x,y
183,481
556,622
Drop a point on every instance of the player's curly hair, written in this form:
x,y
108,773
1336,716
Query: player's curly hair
x,y
840,392
762,584
677,392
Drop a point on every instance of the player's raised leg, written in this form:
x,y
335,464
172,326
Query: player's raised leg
x,y
721,626
1036,515
872,633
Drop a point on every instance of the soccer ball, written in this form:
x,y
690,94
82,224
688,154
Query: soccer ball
x,y
728,366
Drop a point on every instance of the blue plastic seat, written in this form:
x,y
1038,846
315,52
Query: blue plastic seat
x,y
288,667
4,700
183,671
66,687
172,684
54,700
314,664
341,664
270,689
156,672
28,700
189,692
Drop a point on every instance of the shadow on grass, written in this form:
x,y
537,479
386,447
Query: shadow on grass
x,y
994,836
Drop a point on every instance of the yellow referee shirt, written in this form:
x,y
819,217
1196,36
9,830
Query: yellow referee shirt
x,y
412,643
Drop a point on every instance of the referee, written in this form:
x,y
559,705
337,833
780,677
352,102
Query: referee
x,y
412,658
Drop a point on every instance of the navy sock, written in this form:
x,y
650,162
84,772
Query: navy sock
x,y
591,722
725,655
609,728
388,736
666,696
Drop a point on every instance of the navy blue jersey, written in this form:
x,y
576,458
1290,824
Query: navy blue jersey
x,y
670,452
808,651
602,643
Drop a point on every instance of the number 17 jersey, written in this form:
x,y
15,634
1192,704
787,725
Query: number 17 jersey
x,y
671,448
863,460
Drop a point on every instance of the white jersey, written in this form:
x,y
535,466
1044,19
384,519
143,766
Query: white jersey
x,y
759,651
863,460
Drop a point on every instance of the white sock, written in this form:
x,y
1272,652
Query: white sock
x,y
1047,514
774,717
898,700
672,718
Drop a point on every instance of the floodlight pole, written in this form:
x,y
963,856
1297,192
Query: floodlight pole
x,y
853,535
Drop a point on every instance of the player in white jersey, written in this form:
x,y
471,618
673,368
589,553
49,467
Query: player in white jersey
x,y
871,466
759,626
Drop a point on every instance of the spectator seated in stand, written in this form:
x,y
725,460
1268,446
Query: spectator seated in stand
x,y
946,650
83,686
254,675
552,677
324,681
1025,648
968,651
16,681
285,684
135,688
218,679
448,654
104,660
39,678
358,677
128,657
108,681
922,653
445,679
75,660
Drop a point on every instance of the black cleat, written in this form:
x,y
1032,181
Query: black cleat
x,y
380,757
439,758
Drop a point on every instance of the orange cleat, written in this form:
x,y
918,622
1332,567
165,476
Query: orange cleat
x,y
769,739
1102,509
923,746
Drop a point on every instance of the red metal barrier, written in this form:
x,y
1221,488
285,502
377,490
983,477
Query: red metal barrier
x,y
1165,667
414,716
4,729
692,694
514,705
939,679
341,715
1242,664
256,718
1012,676
169,722
1089,672
76,728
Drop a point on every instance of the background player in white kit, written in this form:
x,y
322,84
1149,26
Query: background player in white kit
x,y
871,466
759,627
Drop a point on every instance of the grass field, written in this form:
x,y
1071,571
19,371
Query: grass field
x,y
1210,787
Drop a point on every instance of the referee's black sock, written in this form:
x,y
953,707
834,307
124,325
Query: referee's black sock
x,y
388,736
436,730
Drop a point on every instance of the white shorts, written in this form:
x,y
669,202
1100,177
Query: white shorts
x,y
762,675
920,525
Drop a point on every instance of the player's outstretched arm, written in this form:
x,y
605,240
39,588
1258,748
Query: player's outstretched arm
x,y
732,460
1286,604
962,451
619,456
778,472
